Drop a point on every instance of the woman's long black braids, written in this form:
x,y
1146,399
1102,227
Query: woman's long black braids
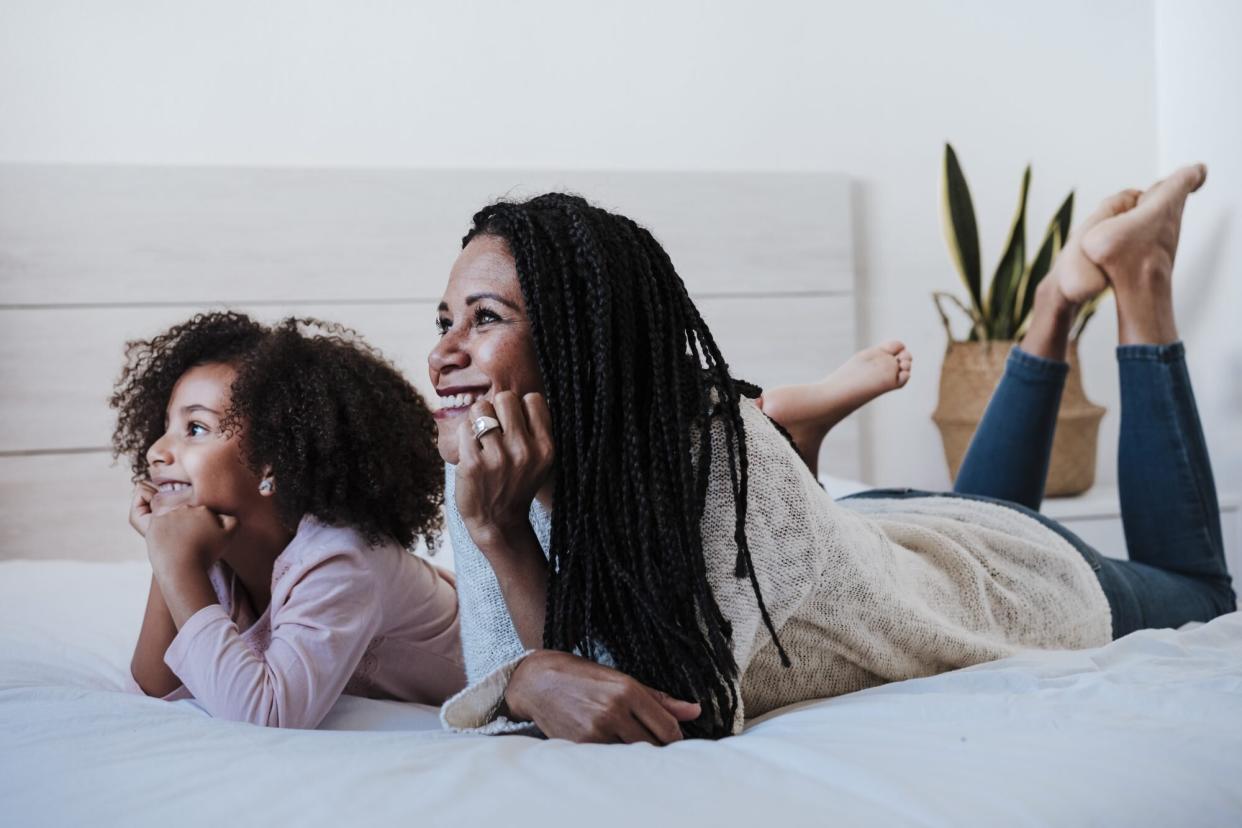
x,y
634,381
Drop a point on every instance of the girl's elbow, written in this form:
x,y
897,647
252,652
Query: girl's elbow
x,y
155,684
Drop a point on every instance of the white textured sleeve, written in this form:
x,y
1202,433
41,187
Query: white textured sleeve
x,y
476,709
784,531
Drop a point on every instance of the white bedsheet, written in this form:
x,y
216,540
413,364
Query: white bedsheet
x,y
1146,731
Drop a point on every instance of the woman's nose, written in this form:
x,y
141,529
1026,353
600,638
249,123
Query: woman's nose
x,y
448,353
159,452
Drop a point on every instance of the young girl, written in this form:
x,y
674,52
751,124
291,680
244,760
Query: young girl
x,y
281,474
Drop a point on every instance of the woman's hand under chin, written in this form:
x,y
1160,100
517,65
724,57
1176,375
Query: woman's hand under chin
x,y
499,474
569,697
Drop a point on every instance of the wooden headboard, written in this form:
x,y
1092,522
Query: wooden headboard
x,y
93,256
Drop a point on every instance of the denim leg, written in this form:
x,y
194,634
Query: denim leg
x,y
1143,597
1009,455
1168,496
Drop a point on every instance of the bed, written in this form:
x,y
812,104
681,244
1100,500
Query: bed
x,y
1146,731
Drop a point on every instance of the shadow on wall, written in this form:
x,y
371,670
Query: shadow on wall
x,y
1205,276
1205,279
859,200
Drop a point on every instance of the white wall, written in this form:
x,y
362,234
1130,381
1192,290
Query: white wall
x,y
1198,73
870,89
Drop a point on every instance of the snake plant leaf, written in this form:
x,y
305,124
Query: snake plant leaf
x,y
1086,312
1024,296
1009,271
1064,214
1049,248
960,229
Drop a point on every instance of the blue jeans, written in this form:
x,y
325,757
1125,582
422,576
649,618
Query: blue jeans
x,y
1176,569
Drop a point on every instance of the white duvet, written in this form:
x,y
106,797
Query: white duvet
x,y
1145,731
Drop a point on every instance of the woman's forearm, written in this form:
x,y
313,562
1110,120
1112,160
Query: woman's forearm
x,y
158,630
522,572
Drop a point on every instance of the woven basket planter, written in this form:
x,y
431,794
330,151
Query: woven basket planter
x,y
969,376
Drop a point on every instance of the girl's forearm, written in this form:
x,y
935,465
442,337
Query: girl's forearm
x,y
522,572
158,630
186,589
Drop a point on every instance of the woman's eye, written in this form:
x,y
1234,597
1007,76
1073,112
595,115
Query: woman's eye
x,y
443,325
482,316
196,429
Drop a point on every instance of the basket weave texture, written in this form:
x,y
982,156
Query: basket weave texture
x,y
970,374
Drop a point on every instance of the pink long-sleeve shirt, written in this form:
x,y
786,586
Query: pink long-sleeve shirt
x,y
345,617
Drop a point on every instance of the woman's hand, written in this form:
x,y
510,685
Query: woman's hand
x,y
499,474
140,506
569,697
188,536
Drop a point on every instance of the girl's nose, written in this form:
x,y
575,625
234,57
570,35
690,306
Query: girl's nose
x,y
159,452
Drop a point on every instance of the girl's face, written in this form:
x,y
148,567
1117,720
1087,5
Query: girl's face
x,y
194,463
485,341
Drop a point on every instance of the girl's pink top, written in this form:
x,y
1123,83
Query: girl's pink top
x,y
345,617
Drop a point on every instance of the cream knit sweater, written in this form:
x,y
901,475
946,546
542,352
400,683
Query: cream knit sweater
x,y
862,591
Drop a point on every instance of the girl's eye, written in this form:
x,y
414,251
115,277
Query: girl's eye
x,y
196,429
443,325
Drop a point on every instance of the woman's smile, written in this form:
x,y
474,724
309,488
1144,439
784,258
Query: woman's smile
x,y
456,400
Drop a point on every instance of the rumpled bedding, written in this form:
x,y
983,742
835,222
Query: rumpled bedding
x,y
1144,731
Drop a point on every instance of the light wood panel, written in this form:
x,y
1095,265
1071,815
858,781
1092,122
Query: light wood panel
x,y
58,365
66,506
202,235
93,256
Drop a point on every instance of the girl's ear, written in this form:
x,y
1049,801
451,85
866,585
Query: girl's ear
x,y
267,486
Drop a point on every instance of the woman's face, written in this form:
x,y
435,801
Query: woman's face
x,y
485,341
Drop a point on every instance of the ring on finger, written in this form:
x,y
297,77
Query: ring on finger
x,y
482,425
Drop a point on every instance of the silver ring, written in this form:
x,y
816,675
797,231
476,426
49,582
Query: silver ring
x,y
483,425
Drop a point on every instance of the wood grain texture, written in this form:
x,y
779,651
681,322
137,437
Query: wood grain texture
x,y
91,257
202,235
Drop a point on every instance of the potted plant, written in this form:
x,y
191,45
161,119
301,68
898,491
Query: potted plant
x,y
973,365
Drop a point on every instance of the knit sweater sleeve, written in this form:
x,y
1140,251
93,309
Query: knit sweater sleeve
x,y
786,553
490,643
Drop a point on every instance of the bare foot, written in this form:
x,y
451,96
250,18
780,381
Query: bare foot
x,y
1136,251
1150,231
810,410
1075,274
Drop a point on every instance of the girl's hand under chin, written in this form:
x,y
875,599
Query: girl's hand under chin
x,y
499,474
140,506
191,536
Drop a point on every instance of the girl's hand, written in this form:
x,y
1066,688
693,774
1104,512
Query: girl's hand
x,y
499,474
140,506
189,536
569,697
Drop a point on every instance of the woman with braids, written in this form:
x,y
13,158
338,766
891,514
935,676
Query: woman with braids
x,y
280,474
642,554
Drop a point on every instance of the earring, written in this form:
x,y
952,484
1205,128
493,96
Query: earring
x,y
266,486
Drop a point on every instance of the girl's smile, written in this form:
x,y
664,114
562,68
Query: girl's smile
x,y
170,494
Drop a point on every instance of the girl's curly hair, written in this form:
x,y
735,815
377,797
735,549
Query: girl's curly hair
x,y
346,436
